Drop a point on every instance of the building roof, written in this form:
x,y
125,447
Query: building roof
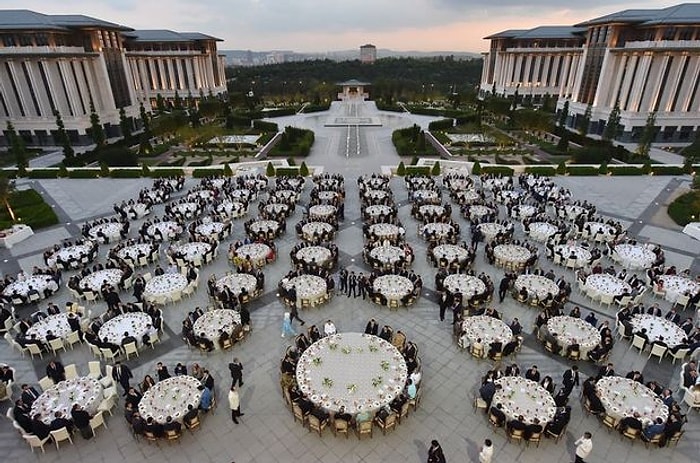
x,y
685,13
353,82
31,20
367,45
165,35
541,32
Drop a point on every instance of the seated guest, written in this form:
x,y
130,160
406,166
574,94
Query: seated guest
x,y
191,414
533,428
206,399
372,327
497,412
133,397
561,419
343,415
495,348
630,422
180,369
171,425
654,429
153,427
81,420
548,384
487,391
39,428
533,374
516,424
59,421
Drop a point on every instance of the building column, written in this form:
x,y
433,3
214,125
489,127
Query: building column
x,y
688,85
71,89
23,101
180,75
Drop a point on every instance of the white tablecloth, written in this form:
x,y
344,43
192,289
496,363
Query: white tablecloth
x,y
491,229
633,256
61,397
231,209
658,327
467,197
212,321
309,287
393,286
286,195
317,254
511,253
580,254
520,396
466,285
477,211
309,230
236,282
375,195
71,253
96,280
257,252
165,285
190,251
134,250
437,229
602,283
675,285
322,211
386,230
358,371
622,397
265,226
426,195
540,231
168,229
523,211
186,210
571,211
111,230
488,329
275,209
431,210
134,323
570,330
451,252
327,195
378,209
537,284
57,324
170,397
38,282
388,254
210,229
596,228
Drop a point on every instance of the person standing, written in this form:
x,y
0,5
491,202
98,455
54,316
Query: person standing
x,y
122,374
287,325
583,447
234,402
486,452
435,454
294,313
236,369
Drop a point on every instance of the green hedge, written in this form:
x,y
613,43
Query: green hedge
x,y
42,173
204,162
315,108
582,171
540,170
625,170
265,126
125,173
685,208
29,206
84,173
502,170
287,171
667,170
442,124
166,173
8,173
203,173
418,170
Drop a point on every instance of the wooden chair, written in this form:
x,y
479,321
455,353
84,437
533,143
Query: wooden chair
x,y
673,440
403,412
193,424
172,435
479,403
515,434
477,352
631,433
150,437
342,427
386,424
364,427
317,425
60,435
493,420
299,414
555,436
535,438
35,442
610,422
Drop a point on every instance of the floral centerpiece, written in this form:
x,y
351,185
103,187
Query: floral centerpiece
x,y
316,361
351,388
327,382
385,365
376,382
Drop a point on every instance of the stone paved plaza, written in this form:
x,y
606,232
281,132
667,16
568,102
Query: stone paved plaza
x,y
268,432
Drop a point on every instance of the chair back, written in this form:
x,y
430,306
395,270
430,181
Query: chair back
x,y
71,371
638,342
95,369
97,420
45,383
60,434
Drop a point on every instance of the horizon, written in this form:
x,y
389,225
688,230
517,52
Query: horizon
x,y
399,25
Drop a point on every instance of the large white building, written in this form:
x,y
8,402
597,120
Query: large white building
x,y
645,61
368,54
61,63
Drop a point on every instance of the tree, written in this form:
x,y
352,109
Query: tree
x,y
145,120
160,103
17,148
62,138
401,169
648,135
564,114
303,169
96,130
476,168
612,126
227,170
270,170
436,169
563,145
177,104
585,121
125,126
7,186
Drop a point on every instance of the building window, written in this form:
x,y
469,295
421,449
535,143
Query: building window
x,y
668,133
25,40
8,68
685,132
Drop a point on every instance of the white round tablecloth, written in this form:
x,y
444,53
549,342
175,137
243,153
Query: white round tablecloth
x,y
622,397
431,210
170,397
265,226
327,195
496,182
357,371
451,252
163,286
491,229
386,230
70,253
256,252
571,211
602,283
318,254
658,327
466,285
311,229
275,209
134,323
467,196
57,324
675,285
215,320
186,210
570,330
111,230
520,396
426,195
210,229
132,252
61,397
477,211
394,287
388,255
309,287
376,210
523,211
200,194
511,253
375,195
581,255
541,231
438,229
96,280
322,211
231,209
633,256
168,229
537,284
488,329
242,194
38,282
236,282
191,251
597,228
140,209
286,195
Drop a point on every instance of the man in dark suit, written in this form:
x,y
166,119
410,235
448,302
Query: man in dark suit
x,y
162,371
39,428
29,395
570,378
208,380
191,414
154,428
59,421
533,374
512,370
171,425
533,428
127,339
236,369
607,370
122,374
630,422
372,327
673,316
55,371
516,424
497,411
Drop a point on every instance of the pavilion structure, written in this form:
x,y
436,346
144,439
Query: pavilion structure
x,y
353,89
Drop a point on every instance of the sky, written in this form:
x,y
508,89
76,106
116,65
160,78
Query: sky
x,y
330,25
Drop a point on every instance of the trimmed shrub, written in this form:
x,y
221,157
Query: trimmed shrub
x,y
685,208
603,169
287,171
418,170
502,170
668,170
265,126
228,172
541,170
270,170
476,168
436,169
646,168
203,173
581,171
9,173
85,173
42,173
626,170
401,169
160,173
442,124
561,168
125,173
303,170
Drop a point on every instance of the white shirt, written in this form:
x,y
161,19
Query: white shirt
x,y
329,328
583,447
486,454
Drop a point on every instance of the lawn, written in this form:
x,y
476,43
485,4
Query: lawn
x,y
29,208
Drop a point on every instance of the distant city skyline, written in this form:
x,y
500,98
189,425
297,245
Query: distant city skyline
x,y
319,26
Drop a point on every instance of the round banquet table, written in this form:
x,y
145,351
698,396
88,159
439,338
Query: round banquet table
x,y
394,287
322,212
523,211
431,210
467,197
186,210
57,324
602,283
491,229
488,329
256,252
426,195
386,230
571,211
375,195
466,285
437,229
541,231
170,397
582,256
200,194
310,287
657,327
95,280
622,397
327,195
190,251
231,209
316,230
111,230
289,196
511,253
633,256
71,253
520,396
600,229
388,255
236,282
376,182
214,321
376,210
676,285
320,255
276,209
83,390
210,229
134,323
477,211
570,329
491,183
265,226
160,287
459,184
537,284
242,194
508,195
357,371
139,209
451,252
133,251
168,229
38,282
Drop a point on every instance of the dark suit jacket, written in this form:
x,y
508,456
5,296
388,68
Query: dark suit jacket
x,y
122,375
29,396
571,377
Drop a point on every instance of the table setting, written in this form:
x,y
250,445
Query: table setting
x,y
511,253
133,251
213,322
580,255
634,256
236,282
320,255
134,323
541,231
466,285
488,329
450,252
600,231
426,196
255,252
170,397
466,196
265,226
314,231
287,196
375,195
570,330
95,280
38,282
57,324
231,209
477,211
658,327
168,229
386,230
436,230
310,287
322,212
537,284
210,230
393,287
676,285
602,283
161,287
622,397
191,251
521,396
83,390
522,211
491,229
186,210
377,210
112,230
72,253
